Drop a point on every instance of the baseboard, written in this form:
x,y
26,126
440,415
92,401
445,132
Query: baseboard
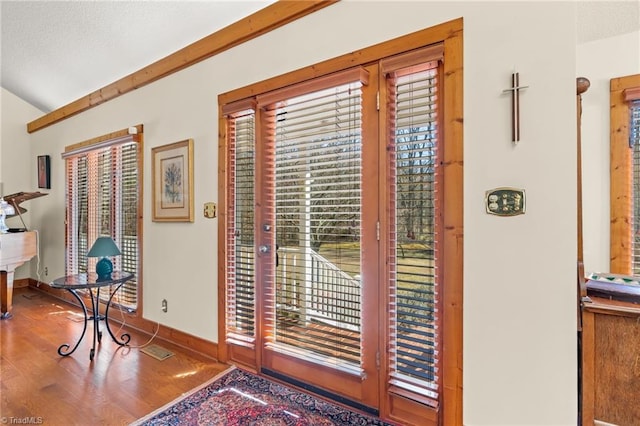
x,y
21,282
134,321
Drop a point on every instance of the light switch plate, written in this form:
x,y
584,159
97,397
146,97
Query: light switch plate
x,y
505,201
210,210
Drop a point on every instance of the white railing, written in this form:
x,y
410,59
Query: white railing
x,y
311,288
316,289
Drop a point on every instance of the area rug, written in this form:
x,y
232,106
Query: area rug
x,y
240,398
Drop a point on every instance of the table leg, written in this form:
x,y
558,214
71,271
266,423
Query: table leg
x,y
95,301
64,347
125,338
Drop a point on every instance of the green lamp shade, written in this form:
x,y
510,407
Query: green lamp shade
x,y
103,247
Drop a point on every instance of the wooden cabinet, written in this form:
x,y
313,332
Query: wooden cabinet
x,y
610,362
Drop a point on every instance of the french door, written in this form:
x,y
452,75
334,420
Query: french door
x,y
310,229
334,234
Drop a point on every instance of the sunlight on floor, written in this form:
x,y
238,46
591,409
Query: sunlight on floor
x,y
187,374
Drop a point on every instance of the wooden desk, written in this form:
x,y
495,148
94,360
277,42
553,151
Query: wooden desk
x,y
610,362
15,249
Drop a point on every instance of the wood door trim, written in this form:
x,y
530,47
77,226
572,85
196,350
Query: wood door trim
x,y
451,34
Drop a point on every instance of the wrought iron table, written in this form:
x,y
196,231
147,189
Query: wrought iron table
x,y
89,282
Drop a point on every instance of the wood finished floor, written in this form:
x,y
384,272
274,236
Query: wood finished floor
x,y
119,386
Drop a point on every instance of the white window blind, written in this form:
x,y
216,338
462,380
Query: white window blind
x,y
240,314
313,134
102,193
413,249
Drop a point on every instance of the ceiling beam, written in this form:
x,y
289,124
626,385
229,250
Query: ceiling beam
x,y
261,22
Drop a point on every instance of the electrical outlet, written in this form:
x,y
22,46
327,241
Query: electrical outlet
x,y
46,271
505,201
165,308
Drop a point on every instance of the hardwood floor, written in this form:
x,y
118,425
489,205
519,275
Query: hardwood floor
x,y
122,384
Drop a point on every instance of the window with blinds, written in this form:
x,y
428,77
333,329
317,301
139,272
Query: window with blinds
x,y
343,233
316,142
240,309
634,141
624,172
102,197
413,163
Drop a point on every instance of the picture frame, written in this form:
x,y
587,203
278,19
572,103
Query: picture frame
x,y
172,185
44,171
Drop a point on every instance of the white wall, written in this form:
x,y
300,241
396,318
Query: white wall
x,y
519,301
17,165
519,292
600,61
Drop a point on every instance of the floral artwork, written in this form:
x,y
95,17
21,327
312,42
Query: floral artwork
x,y
173,182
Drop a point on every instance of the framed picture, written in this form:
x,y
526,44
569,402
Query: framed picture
x,y
44,172
172,171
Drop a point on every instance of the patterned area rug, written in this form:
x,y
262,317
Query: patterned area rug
x,y
239,398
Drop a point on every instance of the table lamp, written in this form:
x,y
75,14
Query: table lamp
x,y
103,247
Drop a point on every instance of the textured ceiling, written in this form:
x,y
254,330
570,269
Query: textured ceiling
x,y
54,52
603,19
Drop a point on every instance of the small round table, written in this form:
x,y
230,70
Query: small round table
x,y
73,283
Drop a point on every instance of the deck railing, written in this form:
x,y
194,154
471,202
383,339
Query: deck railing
x,y
317,289
309,288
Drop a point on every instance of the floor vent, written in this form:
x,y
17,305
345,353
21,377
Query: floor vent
x,y
157,352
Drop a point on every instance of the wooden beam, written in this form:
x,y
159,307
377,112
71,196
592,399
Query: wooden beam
x,y
255,25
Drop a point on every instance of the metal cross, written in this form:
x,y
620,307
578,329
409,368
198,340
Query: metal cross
x,y
515,106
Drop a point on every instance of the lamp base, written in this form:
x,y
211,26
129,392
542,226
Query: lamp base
x,y
104,268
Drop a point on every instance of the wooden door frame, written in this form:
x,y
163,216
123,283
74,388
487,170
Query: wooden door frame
x,y
451,35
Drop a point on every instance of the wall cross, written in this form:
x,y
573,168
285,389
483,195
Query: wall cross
x,y
515,106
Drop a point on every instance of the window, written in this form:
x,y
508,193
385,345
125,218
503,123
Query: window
x,y
102,197
240,309
625,175
414,249
315,144
342,229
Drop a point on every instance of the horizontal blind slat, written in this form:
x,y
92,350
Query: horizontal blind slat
x,y
317,180
240,313
413,117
